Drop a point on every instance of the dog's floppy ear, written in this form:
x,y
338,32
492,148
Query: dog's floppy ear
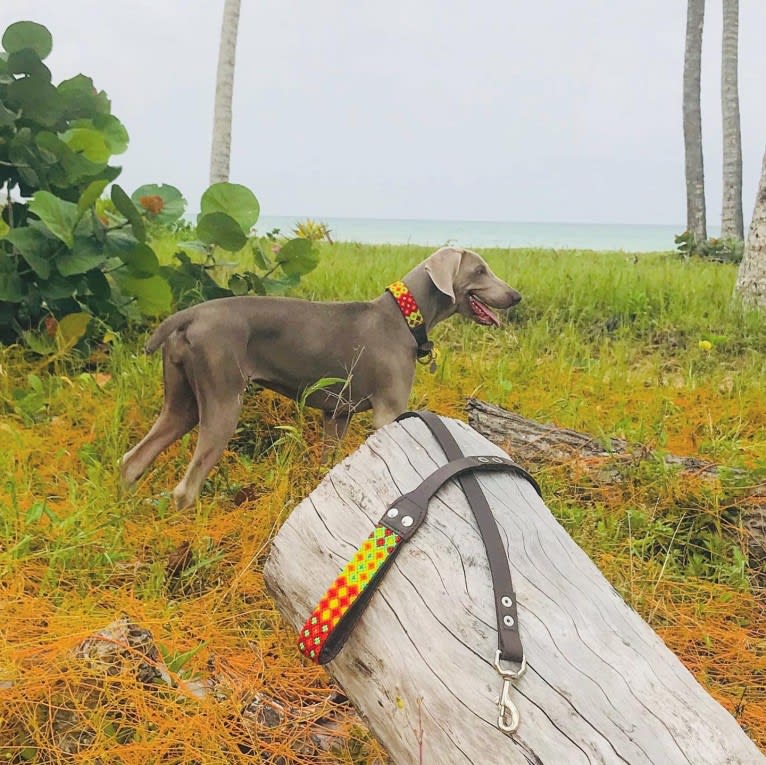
x,y
442,266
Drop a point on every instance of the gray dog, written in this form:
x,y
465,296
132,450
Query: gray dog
x,y
212,350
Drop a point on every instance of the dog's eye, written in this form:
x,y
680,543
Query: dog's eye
x,y
480,270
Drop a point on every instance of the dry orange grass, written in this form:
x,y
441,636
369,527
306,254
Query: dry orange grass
x,y
89,556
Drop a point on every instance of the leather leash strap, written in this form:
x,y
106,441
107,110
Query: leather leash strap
x,y
334,617
508,641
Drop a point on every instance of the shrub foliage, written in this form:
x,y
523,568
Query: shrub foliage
x,y
59,256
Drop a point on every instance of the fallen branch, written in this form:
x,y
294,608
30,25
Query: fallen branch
x,y
536,444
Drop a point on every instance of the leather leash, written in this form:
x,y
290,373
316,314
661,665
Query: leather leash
x,y
332,621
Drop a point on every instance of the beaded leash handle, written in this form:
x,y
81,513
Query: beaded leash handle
x,y
360,573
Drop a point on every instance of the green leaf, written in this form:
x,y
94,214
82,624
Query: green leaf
x,y
11,288
221,229
26,61
137,256
191,282
245,283
119,244
92,193
98,284
176,661
259,256
7,117
195,247
74,168
86,254
41,343
71,328
58,287
297,257
280,286
35,512
38,100
126,207
30,164
238,284
153,295
80,98
34,246
142,261
114,132
28,34
59,216
173,203
88,142
233,199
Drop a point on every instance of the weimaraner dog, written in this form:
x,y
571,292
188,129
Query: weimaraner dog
x,y
212,350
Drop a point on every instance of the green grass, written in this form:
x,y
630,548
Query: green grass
x,y
607,343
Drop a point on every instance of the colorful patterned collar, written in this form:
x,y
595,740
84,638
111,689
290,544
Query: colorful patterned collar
x,y
414,318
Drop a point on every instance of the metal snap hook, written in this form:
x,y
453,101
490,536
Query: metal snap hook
x,y
508,718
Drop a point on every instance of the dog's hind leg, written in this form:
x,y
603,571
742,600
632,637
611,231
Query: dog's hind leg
x,y
219,385
217,425
178,416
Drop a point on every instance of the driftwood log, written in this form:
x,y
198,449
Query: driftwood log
x,y
601,687
536,444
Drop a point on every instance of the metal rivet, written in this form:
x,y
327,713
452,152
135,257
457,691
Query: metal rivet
x,y
506,601
508,621
407,521
393,512
483,459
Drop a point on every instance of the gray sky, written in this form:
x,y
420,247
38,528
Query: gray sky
x,y
553,110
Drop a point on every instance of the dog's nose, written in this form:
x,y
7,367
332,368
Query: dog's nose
x,y
513,298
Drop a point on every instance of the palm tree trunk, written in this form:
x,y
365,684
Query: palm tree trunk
x,y
751,279
695,176
224,88
732,225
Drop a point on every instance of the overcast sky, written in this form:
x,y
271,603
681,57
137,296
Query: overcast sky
x,y
553,110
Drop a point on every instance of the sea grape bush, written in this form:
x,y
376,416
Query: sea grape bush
x,y
719,250
65,256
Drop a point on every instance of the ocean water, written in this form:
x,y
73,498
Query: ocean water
x,y
463,233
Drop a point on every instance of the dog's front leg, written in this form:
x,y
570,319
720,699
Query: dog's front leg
x,y
392,397
385,411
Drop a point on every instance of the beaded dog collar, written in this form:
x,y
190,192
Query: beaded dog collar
x,y
414,318
331,622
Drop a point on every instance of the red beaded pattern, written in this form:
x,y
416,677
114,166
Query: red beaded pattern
x,y
342,593
407,304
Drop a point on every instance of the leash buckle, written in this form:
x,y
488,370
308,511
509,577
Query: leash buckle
x,y
508,713
427,354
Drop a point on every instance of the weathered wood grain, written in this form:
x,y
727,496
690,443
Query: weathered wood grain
x,y
601,686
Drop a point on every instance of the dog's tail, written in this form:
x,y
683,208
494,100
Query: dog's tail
x,y
179,320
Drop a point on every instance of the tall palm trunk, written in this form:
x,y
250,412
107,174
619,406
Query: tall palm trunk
x,y
224,87
695,176
751,279
732,225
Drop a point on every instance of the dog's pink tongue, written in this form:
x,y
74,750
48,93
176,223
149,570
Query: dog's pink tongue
x,y
483,312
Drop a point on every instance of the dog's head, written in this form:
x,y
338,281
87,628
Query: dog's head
x,y
468,281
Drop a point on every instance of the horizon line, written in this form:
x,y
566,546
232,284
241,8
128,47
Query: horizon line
x,y
470,220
